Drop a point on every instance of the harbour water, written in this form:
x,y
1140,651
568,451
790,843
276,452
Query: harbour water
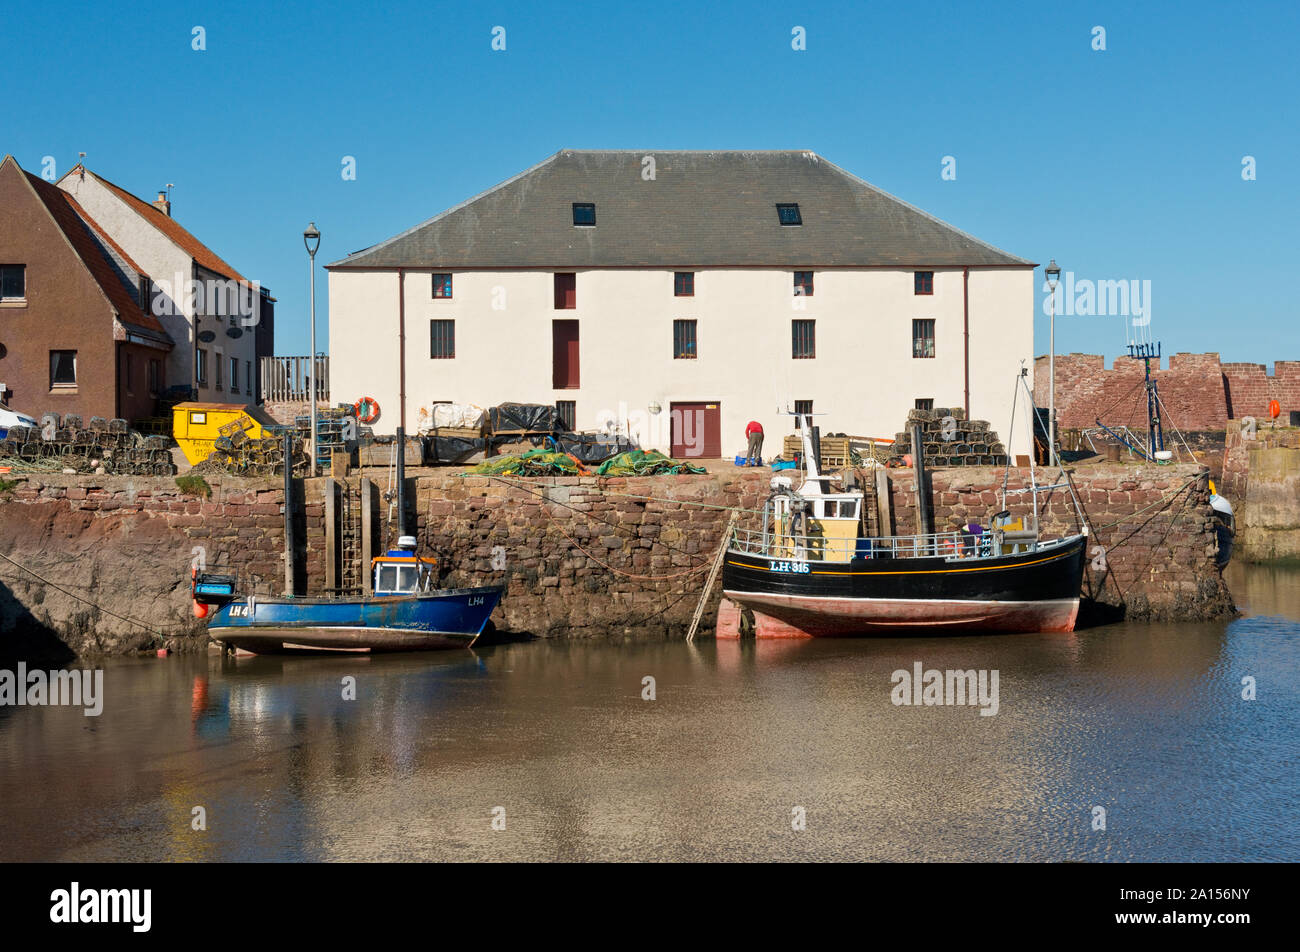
x,y
559,744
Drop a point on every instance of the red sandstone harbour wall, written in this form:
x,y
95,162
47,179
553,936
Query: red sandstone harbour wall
x,y
585,556
1199,392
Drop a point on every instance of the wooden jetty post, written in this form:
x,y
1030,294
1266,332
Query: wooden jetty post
x,y
289,541
884,502
924,517
369,500
331,536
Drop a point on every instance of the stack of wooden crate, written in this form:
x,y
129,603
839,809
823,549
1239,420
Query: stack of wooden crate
x,y
834,451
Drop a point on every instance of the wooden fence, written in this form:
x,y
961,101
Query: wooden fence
x,y
288,379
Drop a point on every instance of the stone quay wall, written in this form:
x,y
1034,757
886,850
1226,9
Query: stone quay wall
x,y
103,562
1261,478
615,558
1198,391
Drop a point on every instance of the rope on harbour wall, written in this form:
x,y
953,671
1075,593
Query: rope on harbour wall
x,y
84,601
1163,500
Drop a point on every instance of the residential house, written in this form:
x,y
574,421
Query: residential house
x,y
679,295
222,322
77,329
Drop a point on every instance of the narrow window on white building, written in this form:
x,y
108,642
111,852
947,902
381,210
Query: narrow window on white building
x,y
201,366
803,336
684,283
925,403
566,291
923,337
684,347
803,283
442,340
923,282
442,285
567,410
234,375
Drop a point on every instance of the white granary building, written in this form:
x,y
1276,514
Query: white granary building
x,y
678,296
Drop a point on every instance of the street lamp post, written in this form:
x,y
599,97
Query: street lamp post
x,y
1053,275
311,238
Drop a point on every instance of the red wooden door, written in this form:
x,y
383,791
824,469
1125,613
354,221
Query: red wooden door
x,y
696,430
564,355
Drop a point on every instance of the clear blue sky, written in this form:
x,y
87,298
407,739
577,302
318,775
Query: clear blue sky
x,y
1122,164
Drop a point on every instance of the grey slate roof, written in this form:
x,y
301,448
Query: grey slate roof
x,y
703,209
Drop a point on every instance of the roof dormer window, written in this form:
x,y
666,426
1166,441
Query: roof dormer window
x,y
789,214
584,214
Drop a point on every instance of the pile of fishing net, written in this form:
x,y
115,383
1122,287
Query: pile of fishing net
x,y
532,463
645,463
551,463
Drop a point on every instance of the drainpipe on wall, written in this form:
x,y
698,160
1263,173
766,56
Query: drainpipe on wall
x,y
401,348
965,325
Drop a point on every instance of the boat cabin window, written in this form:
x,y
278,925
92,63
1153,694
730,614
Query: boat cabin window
x,y
843,509
391,579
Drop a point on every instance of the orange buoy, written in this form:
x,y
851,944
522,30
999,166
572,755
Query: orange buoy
x,y
200,610
1274,409
371,413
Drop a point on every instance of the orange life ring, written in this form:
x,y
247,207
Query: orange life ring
x,y
1274,409
372,404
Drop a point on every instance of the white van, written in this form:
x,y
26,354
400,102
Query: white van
x,y
10,418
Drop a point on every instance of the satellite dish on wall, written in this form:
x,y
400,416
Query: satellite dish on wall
x,y
207,336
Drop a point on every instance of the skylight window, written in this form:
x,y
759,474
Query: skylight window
x,y
789,214
584,214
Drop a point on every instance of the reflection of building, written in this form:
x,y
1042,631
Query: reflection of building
x,y
77,333
221,321
653,289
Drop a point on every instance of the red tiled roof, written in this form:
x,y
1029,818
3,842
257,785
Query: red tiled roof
x,y
196,249
74,223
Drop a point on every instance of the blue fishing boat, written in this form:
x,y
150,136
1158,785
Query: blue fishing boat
x,y
405,613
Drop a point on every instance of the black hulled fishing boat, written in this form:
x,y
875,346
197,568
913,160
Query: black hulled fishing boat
x,y
808,572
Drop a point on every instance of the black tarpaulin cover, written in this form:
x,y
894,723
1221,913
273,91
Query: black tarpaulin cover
x,y
537,417
594,447
453,449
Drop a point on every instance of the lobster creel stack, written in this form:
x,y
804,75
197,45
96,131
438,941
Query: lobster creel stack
x,y
68,442
949,439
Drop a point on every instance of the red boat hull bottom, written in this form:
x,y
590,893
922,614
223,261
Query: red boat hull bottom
x,y
794,616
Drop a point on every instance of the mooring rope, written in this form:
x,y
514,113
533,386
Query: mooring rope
x,y
1163,499
84,601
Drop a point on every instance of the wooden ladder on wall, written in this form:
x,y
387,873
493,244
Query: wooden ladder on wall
x,y
713,575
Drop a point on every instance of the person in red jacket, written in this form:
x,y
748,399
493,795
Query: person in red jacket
x,y
754,455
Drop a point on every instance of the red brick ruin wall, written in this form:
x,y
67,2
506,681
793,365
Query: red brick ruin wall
x,y
1198,392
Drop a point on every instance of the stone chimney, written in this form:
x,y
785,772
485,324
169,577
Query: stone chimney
x,y
163,205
